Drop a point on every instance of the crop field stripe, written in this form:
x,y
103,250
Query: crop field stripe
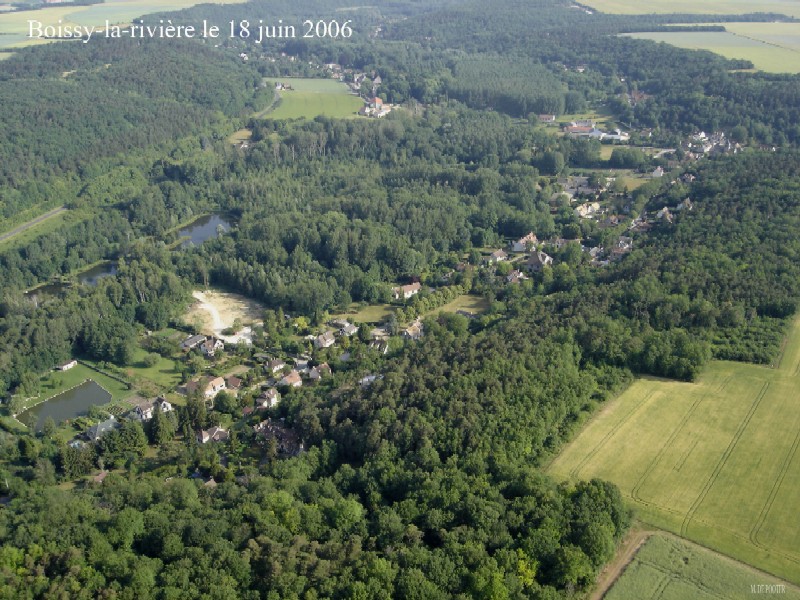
x,y
723,459
762,517
614,429
666,446
671,577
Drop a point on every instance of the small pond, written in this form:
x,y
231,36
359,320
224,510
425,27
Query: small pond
x,y
203,229
91,276
66,405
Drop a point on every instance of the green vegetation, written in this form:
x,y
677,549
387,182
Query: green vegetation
x,y
766,56
714,460
162,372
667,567
58,381
310,98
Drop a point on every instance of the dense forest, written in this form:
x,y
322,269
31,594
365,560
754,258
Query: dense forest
x,y
421,475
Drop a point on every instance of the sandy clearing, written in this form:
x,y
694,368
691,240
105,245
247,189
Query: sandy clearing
x,y
216,311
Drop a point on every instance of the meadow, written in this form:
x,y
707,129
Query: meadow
x,y
776,51
14,25
668,567
711,7
310,98
714,461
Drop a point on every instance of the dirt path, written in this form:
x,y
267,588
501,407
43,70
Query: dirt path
x,y
218,310
611,572
31,223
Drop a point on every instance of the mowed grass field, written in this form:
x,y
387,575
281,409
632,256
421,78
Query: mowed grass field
x,y
670,568
711,7
715,461
775,52
310,98
14,25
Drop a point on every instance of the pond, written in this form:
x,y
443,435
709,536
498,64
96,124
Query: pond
x,y
67,405
203,229
91,276
47,289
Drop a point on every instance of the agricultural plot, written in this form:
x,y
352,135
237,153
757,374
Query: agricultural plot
x,y
777,52
715,461
695,7
310,98
667,567
14,25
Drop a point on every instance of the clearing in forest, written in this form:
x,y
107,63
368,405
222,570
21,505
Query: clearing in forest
x,y
310,98
668,567
715,461
215,311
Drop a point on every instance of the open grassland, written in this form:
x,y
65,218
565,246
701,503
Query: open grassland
x,y
710,7
472,304
668,567
163,373
774,53
310,98
14,25
715,461
373,313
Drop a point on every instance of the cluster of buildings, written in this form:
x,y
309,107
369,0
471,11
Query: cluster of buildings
x,y
588,128
208,345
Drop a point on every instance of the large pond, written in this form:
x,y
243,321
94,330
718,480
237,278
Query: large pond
x,y
203,229
67,405
91,276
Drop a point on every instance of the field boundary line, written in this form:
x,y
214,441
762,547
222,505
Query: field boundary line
x,y
663,450
773,493
723,460
613,431
671,577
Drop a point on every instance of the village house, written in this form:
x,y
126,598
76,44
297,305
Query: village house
x,y
405,292
291,379
587,210
276,366
525,243
326,340
287,441
348,329
67,365
496,257
214,434
233,383
210,346
269,398
414,331
144,409
382,346
537,261
209,386
515,277
95,432
547,118
192,342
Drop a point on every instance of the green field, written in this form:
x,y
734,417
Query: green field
x,y
163,373
667,567
713,461
711,7
313,97
14,25
775,53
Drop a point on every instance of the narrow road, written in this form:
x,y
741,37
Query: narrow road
x,y
31,223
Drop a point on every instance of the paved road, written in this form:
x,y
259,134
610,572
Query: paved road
x,y
31,223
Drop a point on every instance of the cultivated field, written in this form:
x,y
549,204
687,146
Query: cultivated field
x,y
14,25
714,461
310,98
668,567
711,7
776,51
